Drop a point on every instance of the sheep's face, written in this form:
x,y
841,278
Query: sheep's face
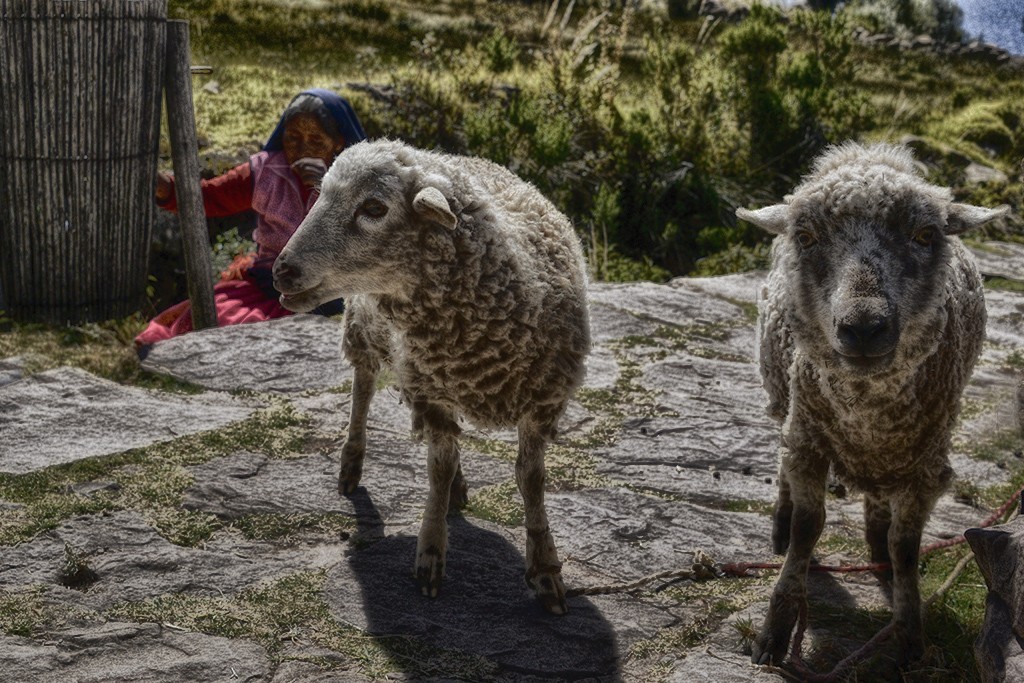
x,y
375,206
866,252
862,284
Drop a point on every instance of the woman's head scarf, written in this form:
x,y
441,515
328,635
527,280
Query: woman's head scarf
x,y
335,112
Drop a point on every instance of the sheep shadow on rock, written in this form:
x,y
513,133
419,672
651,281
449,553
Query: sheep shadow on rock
x,y
485,607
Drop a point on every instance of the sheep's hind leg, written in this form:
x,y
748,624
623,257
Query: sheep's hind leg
x,y
543,569
354,449
782,515
807,492
441,433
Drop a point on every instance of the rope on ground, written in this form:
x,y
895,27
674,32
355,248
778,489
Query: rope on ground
x,y
702,569
705,569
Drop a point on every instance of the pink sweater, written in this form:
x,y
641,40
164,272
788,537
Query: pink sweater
x,y
279,200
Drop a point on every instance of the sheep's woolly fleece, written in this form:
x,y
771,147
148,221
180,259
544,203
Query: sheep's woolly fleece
x,y
889,430
488,318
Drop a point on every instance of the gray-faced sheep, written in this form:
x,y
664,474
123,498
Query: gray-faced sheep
x,y
472,287
870,323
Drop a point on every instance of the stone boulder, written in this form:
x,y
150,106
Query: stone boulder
x,y
999,648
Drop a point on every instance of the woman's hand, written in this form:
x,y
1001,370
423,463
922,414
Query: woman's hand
x,y
164,186
310,170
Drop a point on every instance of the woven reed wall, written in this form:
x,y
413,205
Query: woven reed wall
x,y
80,88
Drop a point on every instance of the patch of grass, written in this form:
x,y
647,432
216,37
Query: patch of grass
x,y
672,640
150,480
996,496
694,338
972,408
597,400
292,608
966,492
749,309
105,349
76,572
628,397
492,447
1014,361
571,469
602,434
950,627
652,492
850,545
647,131
499,503
1003,284
22,614
999,448
716,599
761,507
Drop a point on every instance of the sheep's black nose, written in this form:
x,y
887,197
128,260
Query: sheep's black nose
x,y
866,337
286,272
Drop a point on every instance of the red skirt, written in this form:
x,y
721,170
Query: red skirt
x,y
237,298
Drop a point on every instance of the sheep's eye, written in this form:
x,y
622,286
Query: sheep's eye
x,y
373,208
806,239
925,237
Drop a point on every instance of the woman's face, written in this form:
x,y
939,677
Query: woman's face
x,y
305,137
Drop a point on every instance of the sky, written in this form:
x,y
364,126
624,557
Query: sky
x,y
998,21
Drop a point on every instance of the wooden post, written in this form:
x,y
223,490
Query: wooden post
x,y
181,124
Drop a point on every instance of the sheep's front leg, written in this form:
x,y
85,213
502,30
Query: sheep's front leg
x,y
543,569
354,449
909,515
877,521
441,432
806,481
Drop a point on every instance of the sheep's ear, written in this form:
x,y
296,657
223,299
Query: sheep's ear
x,y
432,205
963,217
772,218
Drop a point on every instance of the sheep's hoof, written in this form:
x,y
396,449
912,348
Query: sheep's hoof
x,y
348,480
910,644
550,591
430,571
765,650
773,641
351,469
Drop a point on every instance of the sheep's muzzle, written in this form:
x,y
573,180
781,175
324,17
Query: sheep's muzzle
x,y
866,332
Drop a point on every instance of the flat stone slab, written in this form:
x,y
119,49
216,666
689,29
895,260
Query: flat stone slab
x,y
622,535
716,444
292,354
132,562
1002,259
11,370
394,480
673,304
98,653
740,287
685,458
68,414
485,608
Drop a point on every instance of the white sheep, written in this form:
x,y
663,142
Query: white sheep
x,y
870,323
472,287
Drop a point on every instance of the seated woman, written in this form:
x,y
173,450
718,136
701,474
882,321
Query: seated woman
x,y
279,185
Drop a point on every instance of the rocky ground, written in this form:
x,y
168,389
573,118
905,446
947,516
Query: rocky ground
x,y
197,534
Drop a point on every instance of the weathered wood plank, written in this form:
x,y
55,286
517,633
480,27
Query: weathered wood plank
x,y
181,125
